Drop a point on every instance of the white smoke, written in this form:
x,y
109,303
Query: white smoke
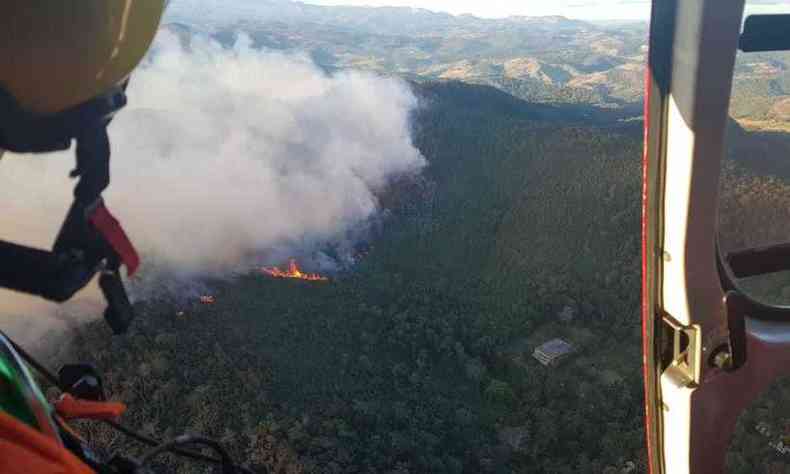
x,y
224,153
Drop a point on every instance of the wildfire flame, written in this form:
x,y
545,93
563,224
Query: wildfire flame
x,y
293,272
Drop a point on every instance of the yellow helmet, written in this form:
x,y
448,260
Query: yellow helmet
x,y
55,54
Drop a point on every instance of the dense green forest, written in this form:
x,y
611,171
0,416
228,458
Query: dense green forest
x,y
419,359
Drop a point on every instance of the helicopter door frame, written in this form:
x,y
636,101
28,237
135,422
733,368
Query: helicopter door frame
x,y
709,351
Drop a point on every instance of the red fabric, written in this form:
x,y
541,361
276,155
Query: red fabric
x,y
23,450
111,229
71,408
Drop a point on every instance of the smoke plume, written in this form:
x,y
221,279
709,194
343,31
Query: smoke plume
x,y
225,153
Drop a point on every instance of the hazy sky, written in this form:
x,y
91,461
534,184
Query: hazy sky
x,y
582,9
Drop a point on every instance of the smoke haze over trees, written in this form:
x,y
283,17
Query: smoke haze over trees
x,y
229,153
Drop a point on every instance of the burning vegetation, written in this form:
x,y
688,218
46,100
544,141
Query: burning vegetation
x,y
293,272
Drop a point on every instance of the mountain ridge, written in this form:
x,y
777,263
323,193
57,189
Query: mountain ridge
x,y
547,59
192,10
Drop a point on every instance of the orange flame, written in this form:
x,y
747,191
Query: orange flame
x,y
293,272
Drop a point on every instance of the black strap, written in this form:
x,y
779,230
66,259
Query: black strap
x,y
93,163
41,273
78,249
77,255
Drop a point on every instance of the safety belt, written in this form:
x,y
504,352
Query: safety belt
x,y
90,240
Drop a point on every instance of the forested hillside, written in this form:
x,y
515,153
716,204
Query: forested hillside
x,y
523,228
418,360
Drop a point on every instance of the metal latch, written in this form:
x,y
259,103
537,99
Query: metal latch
x,y
686,350
732,355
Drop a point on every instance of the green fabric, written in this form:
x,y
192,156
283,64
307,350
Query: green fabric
x,y
13,392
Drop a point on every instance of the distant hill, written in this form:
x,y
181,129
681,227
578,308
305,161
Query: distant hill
x,y
374,20
762,86
540,59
